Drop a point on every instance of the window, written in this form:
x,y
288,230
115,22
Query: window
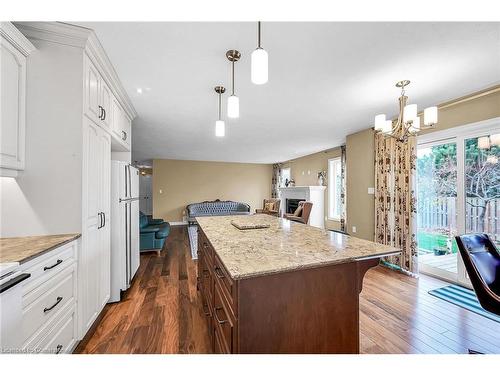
x,y
334,188
285,175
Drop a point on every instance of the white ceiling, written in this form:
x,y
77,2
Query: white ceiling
x,y
326,80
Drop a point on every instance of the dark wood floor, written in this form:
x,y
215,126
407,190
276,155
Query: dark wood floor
x,y
161,313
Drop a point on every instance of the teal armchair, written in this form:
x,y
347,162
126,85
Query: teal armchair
x,y
153,233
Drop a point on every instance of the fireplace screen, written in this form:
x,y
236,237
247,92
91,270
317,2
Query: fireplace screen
x,y
292,204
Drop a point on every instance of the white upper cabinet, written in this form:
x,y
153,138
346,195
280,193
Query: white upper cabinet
x,y
106,98
102,107
14,50
91,100
121,125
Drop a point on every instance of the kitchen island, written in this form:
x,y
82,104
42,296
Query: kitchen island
x,y
288,288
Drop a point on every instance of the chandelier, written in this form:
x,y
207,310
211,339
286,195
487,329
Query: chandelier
x,y
408,122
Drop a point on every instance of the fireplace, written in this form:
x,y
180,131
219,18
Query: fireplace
x,y
291,196
292,204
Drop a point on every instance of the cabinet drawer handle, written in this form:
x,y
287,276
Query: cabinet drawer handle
x,y
219,273
206,312
103,114
217,317
59,348
47,309
59,261
124,135
100,112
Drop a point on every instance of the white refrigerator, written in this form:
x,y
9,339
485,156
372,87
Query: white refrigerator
x,y
124,227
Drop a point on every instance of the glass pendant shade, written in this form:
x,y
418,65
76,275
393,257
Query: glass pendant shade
x,y
379,122
483,143
220,128
415,126
233,106
387,127
410,112
495,139
259,70
430,116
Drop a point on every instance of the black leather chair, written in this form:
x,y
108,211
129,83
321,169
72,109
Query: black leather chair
x,y
482,262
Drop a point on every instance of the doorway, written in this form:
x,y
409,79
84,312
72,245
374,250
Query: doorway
x,y
458,191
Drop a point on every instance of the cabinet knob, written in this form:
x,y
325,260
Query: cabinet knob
x,y
124,135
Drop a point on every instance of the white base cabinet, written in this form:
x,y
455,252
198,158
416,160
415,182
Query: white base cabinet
x,y
49,302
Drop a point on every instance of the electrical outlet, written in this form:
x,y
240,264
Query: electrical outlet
x,y
353,229
371,190
161,191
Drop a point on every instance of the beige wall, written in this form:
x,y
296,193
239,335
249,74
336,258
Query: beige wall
x,y
360,172
183,182
305,170
360,159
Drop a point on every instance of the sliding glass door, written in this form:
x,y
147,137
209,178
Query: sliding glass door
x,y
437,209
458,191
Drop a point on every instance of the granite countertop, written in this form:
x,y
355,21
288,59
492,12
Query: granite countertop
x,y
22,249
284,246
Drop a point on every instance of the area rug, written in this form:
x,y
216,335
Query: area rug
x,y
463,297
193,240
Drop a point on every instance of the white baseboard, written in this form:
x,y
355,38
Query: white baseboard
x,y
178,222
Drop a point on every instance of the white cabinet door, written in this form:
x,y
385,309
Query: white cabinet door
x,y
89,257
127,130
117,119
105,208
91,100
94,260
121,124
106,98
13,96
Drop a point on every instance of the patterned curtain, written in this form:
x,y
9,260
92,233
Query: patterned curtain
x,y
275,180
343,214
395,202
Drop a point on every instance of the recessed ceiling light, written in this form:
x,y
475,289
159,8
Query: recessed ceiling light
x,y
139,90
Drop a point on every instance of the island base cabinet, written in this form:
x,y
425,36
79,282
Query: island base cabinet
x,y
307,311
312,310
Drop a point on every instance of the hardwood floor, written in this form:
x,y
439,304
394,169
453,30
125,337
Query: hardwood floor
x,y
161,313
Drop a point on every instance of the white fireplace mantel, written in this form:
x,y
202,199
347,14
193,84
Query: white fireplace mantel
x,y
314,194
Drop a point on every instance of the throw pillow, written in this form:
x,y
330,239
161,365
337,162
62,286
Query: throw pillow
x,y
269,206
298,211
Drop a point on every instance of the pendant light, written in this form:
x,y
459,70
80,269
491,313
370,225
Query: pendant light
x,y
233,102
220,127
259,72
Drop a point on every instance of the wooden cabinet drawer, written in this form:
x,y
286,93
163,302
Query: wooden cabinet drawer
x,y
219,348
224,321
207,281
227,284
51,297
205,247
